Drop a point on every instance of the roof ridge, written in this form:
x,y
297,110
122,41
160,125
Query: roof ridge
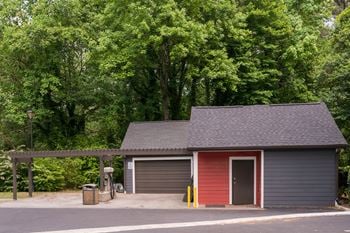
x,y
228,106
164,121
257,105
293,104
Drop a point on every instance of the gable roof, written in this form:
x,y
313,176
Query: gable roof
x,y
263,126
156,135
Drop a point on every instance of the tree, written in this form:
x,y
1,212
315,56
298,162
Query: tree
x,y
335,78
276,61
173,43
45,53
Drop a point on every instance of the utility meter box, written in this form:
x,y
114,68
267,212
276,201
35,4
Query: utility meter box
x,y
90,194
108,170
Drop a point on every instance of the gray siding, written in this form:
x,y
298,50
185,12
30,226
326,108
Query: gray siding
x,y
128,175
300,177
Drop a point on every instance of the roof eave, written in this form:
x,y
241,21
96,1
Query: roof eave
x,y
272,147
148,152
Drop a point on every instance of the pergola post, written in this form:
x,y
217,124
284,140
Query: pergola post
x,y
30,178
14,178
102,175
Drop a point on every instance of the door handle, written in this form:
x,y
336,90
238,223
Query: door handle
x,y
234,180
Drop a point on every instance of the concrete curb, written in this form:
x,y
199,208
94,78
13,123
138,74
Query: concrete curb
x,y
200,223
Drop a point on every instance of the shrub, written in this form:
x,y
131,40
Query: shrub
x,y
48,175
73,176
6,174
118,173
55,174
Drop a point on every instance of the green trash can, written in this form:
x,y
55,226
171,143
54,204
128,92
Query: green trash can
x,y
90,194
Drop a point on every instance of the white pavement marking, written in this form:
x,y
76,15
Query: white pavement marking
x,y
199,223
347,230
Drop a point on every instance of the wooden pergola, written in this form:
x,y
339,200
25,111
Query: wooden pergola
x,y
27,157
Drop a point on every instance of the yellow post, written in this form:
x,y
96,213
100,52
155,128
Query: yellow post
x,y
195,197
188,196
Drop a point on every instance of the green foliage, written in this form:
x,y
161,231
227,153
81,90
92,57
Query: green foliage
x,y
281,59
70,173
44,66
49,175
344,191
335,78
5,173
118,164
167,45
52,174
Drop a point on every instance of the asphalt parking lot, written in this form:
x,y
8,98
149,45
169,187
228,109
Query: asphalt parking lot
x,y
64,212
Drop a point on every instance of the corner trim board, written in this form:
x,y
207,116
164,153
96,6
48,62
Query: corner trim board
x,y
262,171
195,174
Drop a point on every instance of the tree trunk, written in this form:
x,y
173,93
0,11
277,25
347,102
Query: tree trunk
x,y
343,4
176,107
165,74
165,98
176,90
207,91
193,94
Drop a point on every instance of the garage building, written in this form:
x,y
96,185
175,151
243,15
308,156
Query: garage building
x,y
262,155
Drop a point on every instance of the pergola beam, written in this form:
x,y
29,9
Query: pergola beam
x,y
64,153
97,152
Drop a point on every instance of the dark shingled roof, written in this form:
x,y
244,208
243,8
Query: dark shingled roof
x,y
156,135
263,126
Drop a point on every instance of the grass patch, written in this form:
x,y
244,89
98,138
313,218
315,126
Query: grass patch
x,y
20,195
8,195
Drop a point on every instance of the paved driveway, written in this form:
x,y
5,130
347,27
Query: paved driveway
x,y
122,201
74,200
64,211
18,220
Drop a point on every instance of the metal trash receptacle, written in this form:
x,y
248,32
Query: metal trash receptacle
x,y
90,194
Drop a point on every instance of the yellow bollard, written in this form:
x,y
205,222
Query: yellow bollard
x,y
188,196
195,197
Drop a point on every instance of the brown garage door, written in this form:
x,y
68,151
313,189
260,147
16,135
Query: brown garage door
x,y
162,176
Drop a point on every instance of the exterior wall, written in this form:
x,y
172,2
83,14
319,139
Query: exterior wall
x,y
128,181
300,177
213,176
